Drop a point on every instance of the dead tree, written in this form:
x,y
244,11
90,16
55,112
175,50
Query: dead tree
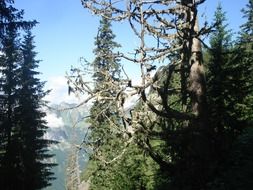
x,y
173,26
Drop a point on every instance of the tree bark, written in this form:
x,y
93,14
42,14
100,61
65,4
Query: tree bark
x,y
197,82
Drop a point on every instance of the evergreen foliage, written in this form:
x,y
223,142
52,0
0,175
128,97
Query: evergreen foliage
x,y
221,83
132,170
34,150
191,131
103,113
245,52
238,166
105,67
24,158
10,58
230,104
229,84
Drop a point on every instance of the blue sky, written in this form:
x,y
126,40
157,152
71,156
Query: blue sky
x,y
66,32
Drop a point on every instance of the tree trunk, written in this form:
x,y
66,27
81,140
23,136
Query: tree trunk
x,y
197,82
192,71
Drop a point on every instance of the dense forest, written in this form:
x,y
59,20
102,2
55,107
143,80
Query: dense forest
x,y
189,128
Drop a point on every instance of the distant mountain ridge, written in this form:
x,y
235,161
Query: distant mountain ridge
x,y
68,126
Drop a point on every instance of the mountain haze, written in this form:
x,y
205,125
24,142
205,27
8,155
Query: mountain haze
x,y
68,127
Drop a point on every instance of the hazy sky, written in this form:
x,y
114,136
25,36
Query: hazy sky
x,y
66,32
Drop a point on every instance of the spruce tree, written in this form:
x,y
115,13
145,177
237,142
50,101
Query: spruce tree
x,y
218,68
104,113
228,81
244,53
23,152
29,119
246,33
105,68
228,92
10,57
237,173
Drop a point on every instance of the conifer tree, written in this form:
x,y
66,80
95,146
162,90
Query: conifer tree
x,y
229,86
183,150
106,69
245,52
10,57
220,85
247,28
218,68
9,147
228,81
29,121
127,172
23,153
